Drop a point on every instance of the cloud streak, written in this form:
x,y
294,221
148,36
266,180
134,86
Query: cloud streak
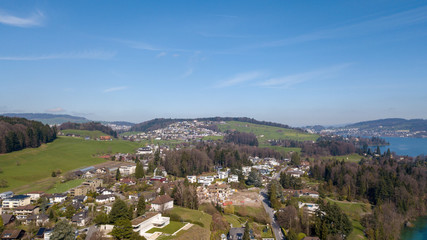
x,y
55,110
376,25
99,55
34,20
239,79
115,89
294,79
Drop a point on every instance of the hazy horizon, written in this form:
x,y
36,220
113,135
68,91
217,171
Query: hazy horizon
x,y
295,63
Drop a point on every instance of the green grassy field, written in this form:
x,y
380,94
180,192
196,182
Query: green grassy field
x,y
347,158
27,166
264,133
354,210
234,220
84,133
193,215
63,187
172,227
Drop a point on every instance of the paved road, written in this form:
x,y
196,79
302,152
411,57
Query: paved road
x,y
266,203
274,226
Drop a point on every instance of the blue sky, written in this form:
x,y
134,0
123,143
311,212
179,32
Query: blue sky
x,y
298,63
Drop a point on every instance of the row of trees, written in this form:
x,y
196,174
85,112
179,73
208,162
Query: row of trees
x,y
90,126
20,133
241,138
204,156
397,189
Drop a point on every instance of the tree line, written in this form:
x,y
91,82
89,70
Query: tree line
x,y
241,138
397,189
19,133
204,156
90,126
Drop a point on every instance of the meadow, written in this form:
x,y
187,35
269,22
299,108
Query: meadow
x,y
24,169
84,133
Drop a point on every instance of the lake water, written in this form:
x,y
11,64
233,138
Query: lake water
x,y
419,232
406,146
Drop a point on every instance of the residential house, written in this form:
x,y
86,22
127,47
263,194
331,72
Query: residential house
x,y
205,180
192,179
222,175
7,219
22,212
10,234
38,219
162,203
57,198
89,174
42,232
301,193
5,195
144,150
34,196
105,198
149,196
236,233
158,178
16,201
246,170
79,199
311,207
127,170
233,178
147,221
102,170
128,181
80,219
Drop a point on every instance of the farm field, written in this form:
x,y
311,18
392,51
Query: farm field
x,y
84,133
25,167
264,133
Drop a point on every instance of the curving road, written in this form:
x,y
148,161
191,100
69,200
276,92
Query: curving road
x,y
274,226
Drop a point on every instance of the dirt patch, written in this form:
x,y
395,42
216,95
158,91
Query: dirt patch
x,y
246,197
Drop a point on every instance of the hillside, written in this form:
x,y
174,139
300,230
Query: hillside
x,y
163,122
89,126
47,118
20,133
392,124
65,153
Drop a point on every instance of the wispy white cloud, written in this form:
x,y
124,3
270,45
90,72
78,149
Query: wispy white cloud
x,y
115,89
239,79
55,110
188,73
162,54
101,55
34,20
291,80
149,47
375,25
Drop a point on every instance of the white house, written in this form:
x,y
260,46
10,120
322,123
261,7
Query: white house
x,y
127,170
222,175
34,196
57,198
162,203
246,170
311,207
144,150
233,178
16,201
105,199
148,221
192,179
205,180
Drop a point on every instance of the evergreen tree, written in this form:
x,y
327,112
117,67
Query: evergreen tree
x,y
295,159
63,231
254,179
246,234
122,229
140,207
139,170
118,175
119,211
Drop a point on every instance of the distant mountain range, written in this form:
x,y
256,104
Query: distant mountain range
x,y
47,118
392,124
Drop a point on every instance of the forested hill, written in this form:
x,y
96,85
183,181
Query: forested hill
x,y
164,122
47,118
20,133
392,124
90,126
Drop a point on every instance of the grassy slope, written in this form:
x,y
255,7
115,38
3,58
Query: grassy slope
x,y
193,215
172,227
265,133
84,133
355,210
63,187
66,153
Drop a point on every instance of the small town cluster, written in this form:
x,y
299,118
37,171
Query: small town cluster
x,y
185,130
103,187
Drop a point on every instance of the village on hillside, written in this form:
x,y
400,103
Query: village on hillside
x,y
148,197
